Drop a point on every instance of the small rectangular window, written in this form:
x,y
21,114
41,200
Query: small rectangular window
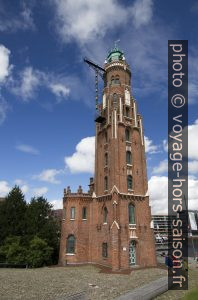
x,y
104,250
72,213
84,213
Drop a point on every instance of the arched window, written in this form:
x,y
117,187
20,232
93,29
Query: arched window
x,y
128,157
129,182
127,135
131,214
112,80
106,159
117,79
70,247
105,215
106,183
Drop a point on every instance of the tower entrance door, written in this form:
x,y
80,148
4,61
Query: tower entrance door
x,y
132,253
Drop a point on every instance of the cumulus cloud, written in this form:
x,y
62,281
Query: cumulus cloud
x,y
158,191
49,175
38,192
4,188
193,166
4,63
149,146
22,184
100,17
24,188
192,140
27,149
82,160
161,168
57,204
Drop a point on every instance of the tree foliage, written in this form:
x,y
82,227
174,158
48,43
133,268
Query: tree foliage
x,y
28,232
39,253
12,212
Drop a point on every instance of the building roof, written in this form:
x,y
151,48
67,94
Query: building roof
x,y
115,54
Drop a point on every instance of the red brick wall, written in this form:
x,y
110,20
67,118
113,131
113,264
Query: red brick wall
x,y
90,234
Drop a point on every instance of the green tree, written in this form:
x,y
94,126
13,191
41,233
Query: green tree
x,y
12,251
12,212
21,222
39,253
40,222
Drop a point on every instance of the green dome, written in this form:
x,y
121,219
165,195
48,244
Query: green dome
x,y
114,55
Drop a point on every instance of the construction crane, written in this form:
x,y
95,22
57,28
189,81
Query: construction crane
x,y
98,71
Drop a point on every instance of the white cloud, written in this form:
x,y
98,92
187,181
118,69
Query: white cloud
x,y
149,146
12,23
19,181
49,175
165,145
192,140
82,160
161,168
38,192
4,63
22,184
85,20
193,193
4,188
158,190
193,166
57,204
30,80
142,12
59,89
24,188
27,149
28,83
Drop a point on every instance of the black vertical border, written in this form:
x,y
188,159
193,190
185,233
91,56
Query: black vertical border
x,y
177,177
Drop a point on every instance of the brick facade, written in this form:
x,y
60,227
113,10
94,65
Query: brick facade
x,y
106,236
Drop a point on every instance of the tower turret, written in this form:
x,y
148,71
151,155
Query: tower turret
x,y
120,152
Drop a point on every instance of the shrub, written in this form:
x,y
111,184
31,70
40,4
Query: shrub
x,y
39,253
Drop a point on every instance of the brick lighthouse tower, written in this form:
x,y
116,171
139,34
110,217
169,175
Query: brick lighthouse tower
x,y
110,225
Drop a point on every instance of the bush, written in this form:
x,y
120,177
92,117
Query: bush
x,y
39,253
12,251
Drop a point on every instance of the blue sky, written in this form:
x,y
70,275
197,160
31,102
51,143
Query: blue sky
x,y
47,92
